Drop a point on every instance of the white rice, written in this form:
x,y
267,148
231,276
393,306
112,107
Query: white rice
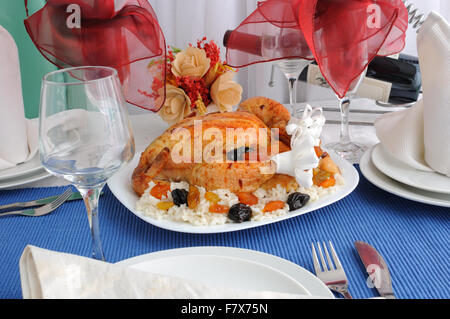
x,y
201,215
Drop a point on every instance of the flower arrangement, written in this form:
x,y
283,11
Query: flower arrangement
x,y
198,82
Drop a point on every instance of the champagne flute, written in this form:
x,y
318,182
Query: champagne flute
x,y
286,43
345,147
85,133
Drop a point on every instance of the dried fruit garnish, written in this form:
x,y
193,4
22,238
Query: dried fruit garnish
x,y
238,153
322,178
328,183
193,198
297,200
273,205
212,197
179,196
160,190
240,213
219,209
247,198
164,205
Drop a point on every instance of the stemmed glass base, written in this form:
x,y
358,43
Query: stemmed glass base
x,y
345,147
351,151
91,197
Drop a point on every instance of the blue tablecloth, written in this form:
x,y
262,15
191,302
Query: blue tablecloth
x,y
412,237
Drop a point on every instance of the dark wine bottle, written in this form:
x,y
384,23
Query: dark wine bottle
x,y
252,44
248,43
388,79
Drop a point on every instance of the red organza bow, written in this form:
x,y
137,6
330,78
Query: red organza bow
x,y
343,36
94,32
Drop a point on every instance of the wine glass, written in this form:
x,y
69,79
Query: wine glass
x,y
85,133
345,147
286,43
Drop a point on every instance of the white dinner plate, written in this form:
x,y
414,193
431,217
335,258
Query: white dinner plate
x,y
25,179
382,181
32,166
395,169
120,186
233,268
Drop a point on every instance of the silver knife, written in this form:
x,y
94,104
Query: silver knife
x,y
377,269
38,202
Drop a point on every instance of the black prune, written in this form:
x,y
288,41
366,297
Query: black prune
x,y
238,153
297,200
240,213
179,196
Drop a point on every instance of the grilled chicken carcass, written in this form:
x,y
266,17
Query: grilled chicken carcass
x,y
241,166
197,150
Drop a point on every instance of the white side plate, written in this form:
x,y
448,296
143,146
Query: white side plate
x,y
27,168
395,169
382,181
24,179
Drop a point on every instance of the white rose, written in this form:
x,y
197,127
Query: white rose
x,y
191,62
177,105
226,93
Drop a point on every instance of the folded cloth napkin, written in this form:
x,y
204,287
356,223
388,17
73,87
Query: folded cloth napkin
x,y
55,275
420,135
18,136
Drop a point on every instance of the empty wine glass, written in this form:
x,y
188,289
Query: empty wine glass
x,y
85,133
345,147
286,44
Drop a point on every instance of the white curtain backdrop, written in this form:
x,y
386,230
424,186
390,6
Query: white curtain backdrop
x,y
185,21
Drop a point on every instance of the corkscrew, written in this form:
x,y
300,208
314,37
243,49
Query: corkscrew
x,y
416,18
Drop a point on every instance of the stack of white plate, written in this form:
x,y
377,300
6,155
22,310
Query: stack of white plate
x,y
390,174
22,174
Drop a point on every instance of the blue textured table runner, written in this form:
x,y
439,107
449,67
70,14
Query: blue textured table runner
x,y
412,237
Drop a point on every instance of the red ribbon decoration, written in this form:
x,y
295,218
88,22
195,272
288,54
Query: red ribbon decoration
x,y
128,39
343,36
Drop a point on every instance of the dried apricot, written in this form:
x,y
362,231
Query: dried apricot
x,y
164,205
328,183
160,190
273,205
212,197
219,209
320,176
193,198
247,198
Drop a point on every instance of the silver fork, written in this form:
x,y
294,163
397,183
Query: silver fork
x,y
333,277
43,210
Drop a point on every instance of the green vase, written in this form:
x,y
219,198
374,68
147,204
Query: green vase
x,y
33,65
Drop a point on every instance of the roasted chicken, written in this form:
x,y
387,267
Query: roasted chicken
x,y
211,161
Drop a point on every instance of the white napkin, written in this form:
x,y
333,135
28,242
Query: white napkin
x,y
18,136
420,135
54,275
434,51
